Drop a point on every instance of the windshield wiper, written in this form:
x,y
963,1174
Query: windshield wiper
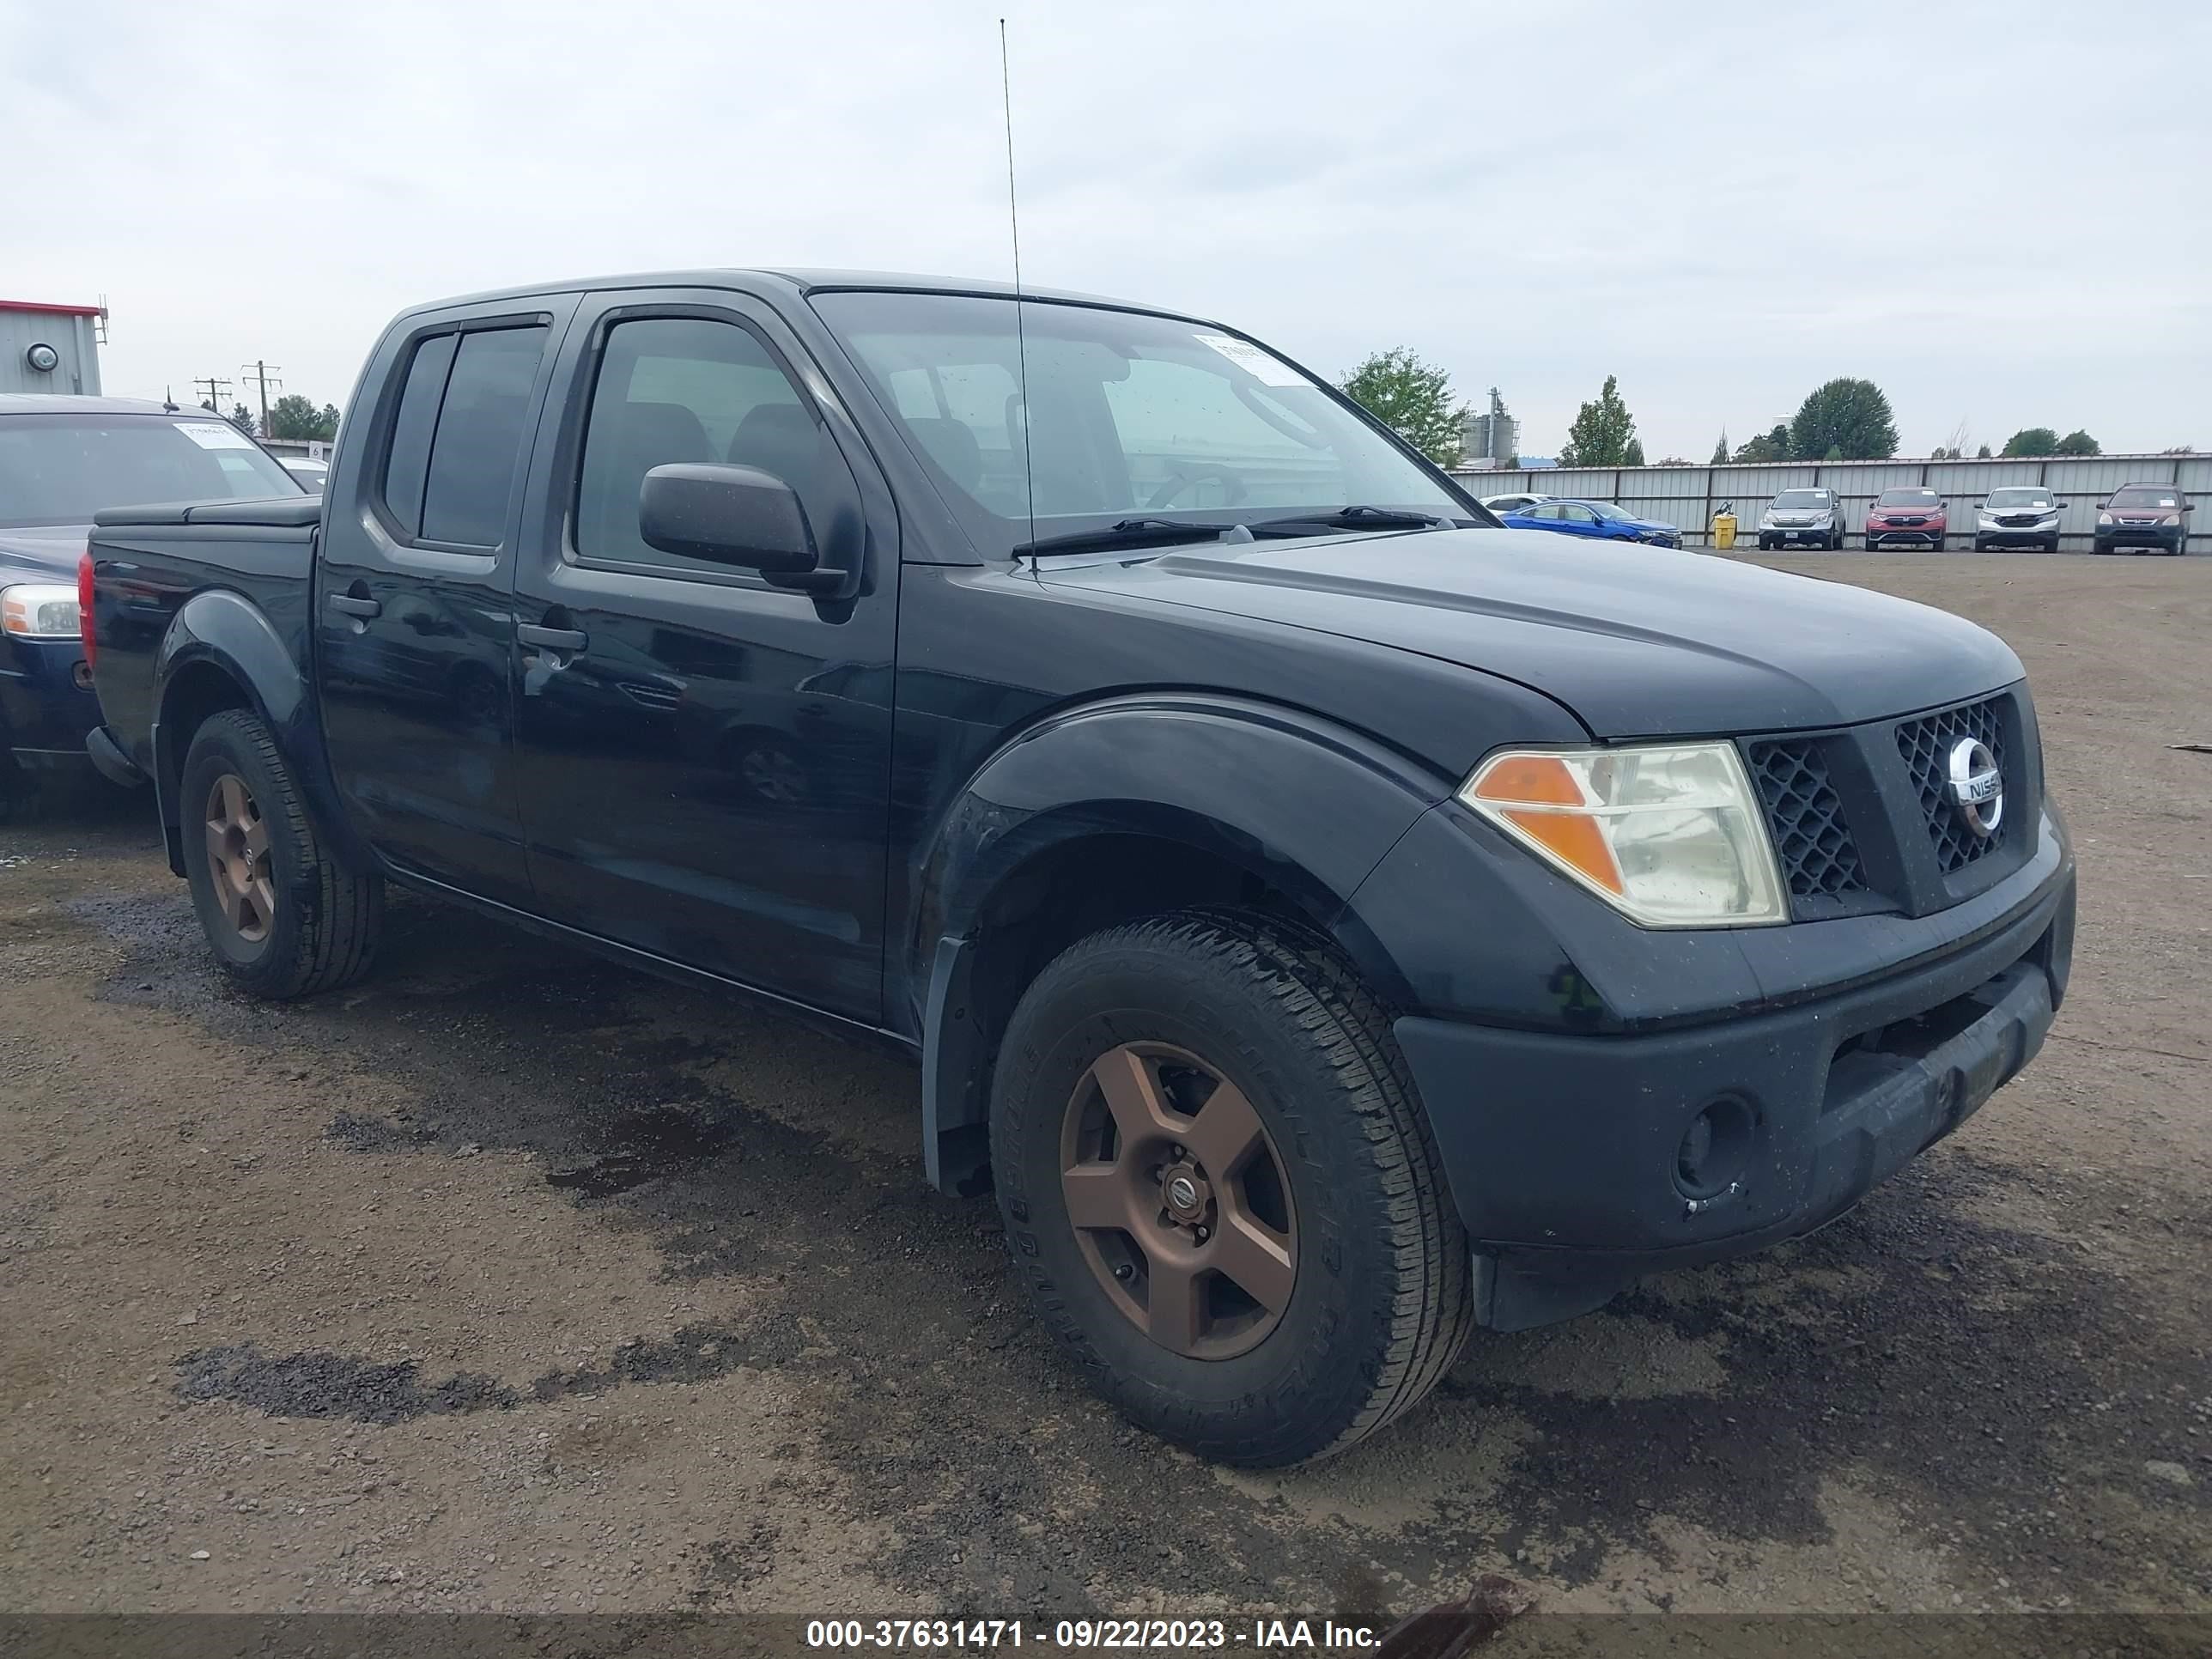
x,y
1356,517
1128,533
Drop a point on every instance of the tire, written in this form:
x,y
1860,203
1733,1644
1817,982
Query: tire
x,y
1980,546
1767,543
1375,1302
1873,545
1836,542
288,919
2099,545
2051,546
1936,545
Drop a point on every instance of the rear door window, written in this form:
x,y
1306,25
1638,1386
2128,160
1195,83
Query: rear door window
x,y
478,448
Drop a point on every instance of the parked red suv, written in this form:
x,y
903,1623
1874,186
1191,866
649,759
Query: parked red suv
x,y
1918,516
2153,515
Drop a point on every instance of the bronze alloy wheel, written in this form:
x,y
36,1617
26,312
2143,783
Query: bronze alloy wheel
x,y
1180,1201
238,857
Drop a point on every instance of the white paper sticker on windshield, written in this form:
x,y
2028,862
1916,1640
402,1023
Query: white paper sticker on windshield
x,y
1268,371
214,435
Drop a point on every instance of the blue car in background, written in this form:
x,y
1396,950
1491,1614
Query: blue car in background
x,y
64,458
1599,519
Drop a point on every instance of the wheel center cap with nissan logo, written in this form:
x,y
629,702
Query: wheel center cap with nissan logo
x,y
1977,787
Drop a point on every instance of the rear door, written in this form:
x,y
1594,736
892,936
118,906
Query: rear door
x,y
704,758
413,596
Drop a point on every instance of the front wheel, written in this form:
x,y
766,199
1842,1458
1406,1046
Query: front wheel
x,y
1221,1188
1873,545
285,916
1938,545
1980,546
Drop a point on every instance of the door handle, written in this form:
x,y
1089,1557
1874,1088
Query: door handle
x,y
552,639
355,606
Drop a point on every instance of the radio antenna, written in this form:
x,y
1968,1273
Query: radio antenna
x,y
1014,225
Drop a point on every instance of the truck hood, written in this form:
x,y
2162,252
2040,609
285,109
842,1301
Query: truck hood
x,y
1637,641
48,550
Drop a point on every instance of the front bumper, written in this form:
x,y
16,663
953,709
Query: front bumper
x,y
1812,535
1566,1154
2129,535
1925,535
2044,535
46,702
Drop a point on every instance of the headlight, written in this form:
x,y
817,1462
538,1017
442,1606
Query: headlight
x,y
1766,521
1988,521
2104,518
2170,520
1670,836
39,611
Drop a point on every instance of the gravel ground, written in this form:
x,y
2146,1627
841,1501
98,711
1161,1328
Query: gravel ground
x,y
509,1281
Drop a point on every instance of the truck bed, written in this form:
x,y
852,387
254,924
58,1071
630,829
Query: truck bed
x,y
226,561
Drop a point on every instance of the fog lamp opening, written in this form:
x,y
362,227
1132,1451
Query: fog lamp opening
x,y
1716,1149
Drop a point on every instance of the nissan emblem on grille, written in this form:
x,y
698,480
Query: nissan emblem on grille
x,y
1977,786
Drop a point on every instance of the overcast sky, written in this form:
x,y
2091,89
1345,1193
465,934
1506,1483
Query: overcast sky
x,y
2000,213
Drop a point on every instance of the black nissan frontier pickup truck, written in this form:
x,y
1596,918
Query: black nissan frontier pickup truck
x,y
1328,921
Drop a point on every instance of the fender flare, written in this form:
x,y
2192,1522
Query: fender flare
x,y
225,631
1307,804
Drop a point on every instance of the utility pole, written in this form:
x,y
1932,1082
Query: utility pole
x,y
217,391
261,376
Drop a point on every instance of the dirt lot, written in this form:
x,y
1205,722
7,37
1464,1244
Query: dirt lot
x,y
510,1280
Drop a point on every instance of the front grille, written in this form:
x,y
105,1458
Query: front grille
x,y
1820,858
1926,745
2019,521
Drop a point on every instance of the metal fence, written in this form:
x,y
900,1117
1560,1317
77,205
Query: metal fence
x,y
1689,497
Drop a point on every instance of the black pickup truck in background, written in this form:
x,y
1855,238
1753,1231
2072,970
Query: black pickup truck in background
x,y
1327,920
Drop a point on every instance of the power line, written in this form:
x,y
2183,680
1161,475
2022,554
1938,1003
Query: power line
x,y
262,377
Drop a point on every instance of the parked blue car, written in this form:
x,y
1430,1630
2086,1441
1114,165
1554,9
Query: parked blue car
x,y
1601,519
64,458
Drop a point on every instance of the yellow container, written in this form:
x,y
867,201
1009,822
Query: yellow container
x,y
1723,530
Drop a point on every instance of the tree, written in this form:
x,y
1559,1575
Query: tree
x,y
1850,417
2032,440
1766,446
1721,450
1603,432
1983,453
2078,442
242,418
1412,398
293,417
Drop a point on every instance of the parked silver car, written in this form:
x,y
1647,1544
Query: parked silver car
x,y
1812,517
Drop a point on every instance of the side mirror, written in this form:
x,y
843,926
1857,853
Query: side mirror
x,y
2065,503
734,515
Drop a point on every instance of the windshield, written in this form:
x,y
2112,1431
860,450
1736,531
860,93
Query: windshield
x,y
1127,414
2147,496
61,469
2021,498
1908,498
1802,499
1607,510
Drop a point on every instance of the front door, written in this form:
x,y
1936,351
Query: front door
x,y
413,595
703,775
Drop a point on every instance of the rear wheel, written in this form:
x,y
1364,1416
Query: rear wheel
x,y
1221,1188
285,917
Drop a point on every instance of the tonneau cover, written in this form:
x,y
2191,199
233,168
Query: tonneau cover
x,y
278,512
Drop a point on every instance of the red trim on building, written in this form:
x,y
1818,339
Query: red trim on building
x,y
58,310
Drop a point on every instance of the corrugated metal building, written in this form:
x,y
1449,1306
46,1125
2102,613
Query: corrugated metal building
x,y
31,333
1689,497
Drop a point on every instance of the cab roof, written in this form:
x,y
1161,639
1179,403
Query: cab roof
x,y
806,280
